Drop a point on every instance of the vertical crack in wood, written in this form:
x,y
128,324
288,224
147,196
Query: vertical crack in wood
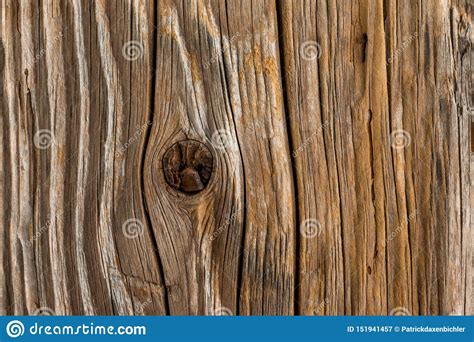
x,y
387,37
291,143
462,39
227,79
151,118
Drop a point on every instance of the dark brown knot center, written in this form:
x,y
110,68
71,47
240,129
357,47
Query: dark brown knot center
x,y
187,166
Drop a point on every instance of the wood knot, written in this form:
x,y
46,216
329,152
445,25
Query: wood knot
x,y
187,166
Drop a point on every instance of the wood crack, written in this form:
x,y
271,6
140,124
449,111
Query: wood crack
x,y
291,144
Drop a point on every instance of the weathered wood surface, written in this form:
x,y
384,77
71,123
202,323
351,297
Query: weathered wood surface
x,y
340,144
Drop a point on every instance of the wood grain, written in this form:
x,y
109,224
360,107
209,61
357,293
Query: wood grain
x,y
341,149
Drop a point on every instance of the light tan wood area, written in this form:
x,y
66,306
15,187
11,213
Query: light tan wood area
x,y
238,157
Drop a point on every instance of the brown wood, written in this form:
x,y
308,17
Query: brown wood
x,y
236,157
472,136
188,166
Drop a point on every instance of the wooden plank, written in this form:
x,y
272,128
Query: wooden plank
x,y
378,166
236,157
472,136
78,112
310,84
252,66
470,287
218,84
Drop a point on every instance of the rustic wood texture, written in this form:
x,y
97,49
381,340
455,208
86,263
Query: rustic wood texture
x,y
214,157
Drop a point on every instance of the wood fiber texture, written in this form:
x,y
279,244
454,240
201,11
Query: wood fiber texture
x,y
211,157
